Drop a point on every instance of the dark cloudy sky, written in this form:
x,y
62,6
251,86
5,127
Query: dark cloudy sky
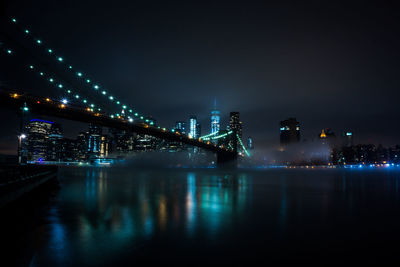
x,y
328,63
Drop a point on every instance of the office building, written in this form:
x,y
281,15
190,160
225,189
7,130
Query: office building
x,y
193,127
198,130
123,141
54,143
82,142
180,127
235,124
68,150
289,131
94,140
36,142
347,139
105,146
215,120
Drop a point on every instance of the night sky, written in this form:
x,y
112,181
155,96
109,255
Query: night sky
x,y
330,64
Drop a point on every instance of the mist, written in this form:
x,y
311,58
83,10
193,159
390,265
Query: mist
x,y
156,159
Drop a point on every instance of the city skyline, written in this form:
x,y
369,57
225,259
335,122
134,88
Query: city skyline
x,y
334,97
201,133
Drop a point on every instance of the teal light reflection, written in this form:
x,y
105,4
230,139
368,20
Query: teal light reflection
x,y
191,202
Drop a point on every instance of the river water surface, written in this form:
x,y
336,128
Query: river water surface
x,y
120,216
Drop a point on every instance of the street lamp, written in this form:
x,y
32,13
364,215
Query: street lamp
x,y
20,137
24,109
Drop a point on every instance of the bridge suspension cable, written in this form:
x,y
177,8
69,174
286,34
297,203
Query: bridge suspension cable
x,y
208,135
39,43
213,137
243,147
218,136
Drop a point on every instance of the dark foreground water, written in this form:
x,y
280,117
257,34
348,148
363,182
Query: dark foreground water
x,y
121,216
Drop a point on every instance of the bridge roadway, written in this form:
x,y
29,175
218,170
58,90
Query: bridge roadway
x,y
45,106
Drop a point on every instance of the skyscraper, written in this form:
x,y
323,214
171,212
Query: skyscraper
x,y
105,145
123,141
198,130
193,127
289,131
347,139
235,124
94,139
82,141
215,119
36,143
180,126
54,143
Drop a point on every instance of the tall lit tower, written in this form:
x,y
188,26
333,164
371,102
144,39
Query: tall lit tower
x,y
215,119
193,127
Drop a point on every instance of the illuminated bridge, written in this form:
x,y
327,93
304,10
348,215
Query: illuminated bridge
x,y
79,97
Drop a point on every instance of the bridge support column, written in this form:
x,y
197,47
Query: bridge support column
x,y
229,158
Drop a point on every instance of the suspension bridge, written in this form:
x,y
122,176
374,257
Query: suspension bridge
x,y
79,97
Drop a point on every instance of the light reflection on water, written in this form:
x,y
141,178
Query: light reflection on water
x,y
129,207
123,208
101,215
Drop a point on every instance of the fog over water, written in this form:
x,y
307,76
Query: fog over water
x,y
126,215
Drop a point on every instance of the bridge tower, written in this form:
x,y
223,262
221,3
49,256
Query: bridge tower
x,y
229,159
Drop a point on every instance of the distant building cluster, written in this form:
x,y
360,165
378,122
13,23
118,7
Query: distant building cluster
x,y
193,130
366,154
44,141
340,149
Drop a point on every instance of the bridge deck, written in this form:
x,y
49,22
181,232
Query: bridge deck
x,y
43,106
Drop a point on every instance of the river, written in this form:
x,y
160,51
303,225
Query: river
x,y
121,216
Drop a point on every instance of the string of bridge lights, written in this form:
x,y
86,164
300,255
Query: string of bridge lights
x,y
96,87
59,85
91,107
211,136
79,75
243,147
208,135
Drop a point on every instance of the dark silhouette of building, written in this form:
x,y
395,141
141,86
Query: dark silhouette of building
x,y
54,143
198,129
82,142
235,124
68,150
289,131
123,141
327,137
347,139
